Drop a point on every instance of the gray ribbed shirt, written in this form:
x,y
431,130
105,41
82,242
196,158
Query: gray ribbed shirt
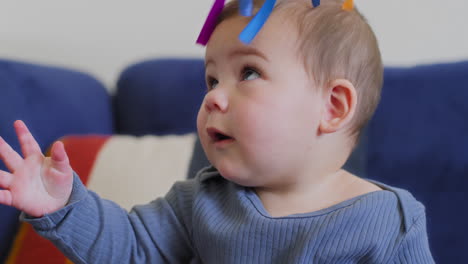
x,y
211,220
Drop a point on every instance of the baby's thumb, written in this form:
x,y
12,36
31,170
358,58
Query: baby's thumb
x,y
59,157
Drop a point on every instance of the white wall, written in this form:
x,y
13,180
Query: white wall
x,y
104,36
419,31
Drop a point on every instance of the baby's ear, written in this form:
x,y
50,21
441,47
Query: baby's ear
x,y
340,105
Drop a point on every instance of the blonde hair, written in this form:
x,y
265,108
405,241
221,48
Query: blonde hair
x,y
334,44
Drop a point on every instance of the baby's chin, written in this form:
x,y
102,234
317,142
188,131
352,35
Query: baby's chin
x,y
238,177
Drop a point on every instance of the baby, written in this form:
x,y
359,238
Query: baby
x,y
280,118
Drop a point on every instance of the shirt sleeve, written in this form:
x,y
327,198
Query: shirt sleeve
x,y
94,230
414,248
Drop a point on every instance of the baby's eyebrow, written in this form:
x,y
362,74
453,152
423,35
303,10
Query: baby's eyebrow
x,y
248,51
244,51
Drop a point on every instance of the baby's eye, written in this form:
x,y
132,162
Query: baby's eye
x,y
211,83
249,74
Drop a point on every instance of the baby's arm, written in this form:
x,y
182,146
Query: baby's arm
x,y
94,230
85,227
36,185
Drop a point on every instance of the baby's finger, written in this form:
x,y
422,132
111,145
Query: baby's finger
x,y
28,144
5,179
9,156
5,197
59,157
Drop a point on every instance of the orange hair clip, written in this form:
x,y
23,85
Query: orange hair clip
x,y
348,5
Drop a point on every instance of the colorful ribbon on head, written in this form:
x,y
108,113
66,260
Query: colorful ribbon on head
x,y
348,5
254,26
210,22
246,9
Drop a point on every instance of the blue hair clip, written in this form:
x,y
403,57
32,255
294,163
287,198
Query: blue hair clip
x,y
315,3
251,30
246,7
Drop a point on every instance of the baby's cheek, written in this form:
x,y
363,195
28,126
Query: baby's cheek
x,y
261,132
201,119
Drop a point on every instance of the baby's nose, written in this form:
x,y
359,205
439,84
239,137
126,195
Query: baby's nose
x,y
216,100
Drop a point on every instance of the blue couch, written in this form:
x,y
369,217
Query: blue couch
x,y
416,140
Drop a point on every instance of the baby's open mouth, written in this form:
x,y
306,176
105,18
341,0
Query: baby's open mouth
x,y
217,135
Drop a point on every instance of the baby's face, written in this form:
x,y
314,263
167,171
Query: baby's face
x,y
259,120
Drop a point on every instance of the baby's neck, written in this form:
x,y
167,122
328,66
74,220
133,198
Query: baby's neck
x,y
305,198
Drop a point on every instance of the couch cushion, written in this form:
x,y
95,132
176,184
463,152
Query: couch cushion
x,y
418,141
53,102
159,97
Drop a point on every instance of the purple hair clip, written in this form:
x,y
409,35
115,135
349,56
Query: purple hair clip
x,y
245,9
210,22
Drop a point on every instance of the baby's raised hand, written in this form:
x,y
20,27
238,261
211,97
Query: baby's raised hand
x,y
36,185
